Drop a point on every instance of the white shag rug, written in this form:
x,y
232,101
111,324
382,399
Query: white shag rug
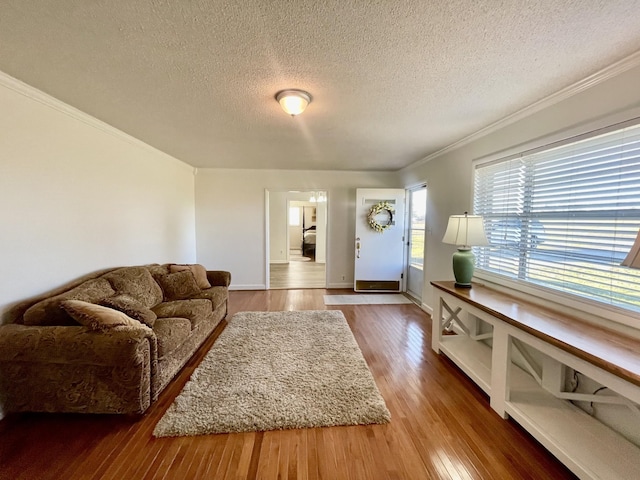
x,y
278,370
367,299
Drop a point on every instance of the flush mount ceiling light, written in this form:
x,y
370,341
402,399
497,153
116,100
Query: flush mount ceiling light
x,y
292,101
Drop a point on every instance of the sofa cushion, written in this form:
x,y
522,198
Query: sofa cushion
x,y
49,313
131,307
96,317
196,311
198,271
217,295
136,282
157,269
171,333
178,286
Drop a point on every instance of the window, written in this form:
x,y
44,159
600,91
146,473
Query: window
x,y
294,216
565,216
418,210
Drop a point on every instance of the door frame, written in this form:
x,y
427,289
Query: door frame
x,y
267,233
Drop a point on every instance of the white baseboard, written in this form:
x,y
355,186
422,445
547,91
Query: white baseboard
x,y
277,261
340,285
248,287
427,309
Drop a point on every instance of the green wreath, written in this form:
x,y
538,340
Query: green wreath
x,y
373,213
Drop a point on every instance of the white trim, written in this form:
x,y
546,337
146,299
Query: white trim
x,y
416,186
606,73
327,231
47,100
340,285
267,241
426,308
248,287
287,232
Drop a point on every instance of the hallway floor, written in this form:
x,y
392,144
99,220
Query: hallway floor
x,y
297,274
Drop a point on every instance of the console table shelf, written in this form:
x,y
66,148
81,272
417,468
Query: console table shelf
x,y
585,445
473,358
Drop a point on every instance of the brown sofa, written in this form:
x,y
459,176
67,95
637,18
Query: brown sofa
x,y
54,358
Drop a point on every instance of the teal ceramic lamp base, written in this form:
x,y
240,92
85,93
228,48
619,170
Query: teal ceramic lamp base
x,y
463,266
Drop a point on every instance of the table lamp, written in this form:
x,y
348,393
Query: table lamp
x,y
465,231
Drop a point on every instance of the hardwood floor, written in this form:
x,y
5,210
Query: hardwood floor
x,y
442,426
297,275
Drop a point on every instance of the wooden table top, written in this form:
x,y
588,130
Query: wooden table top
x,y
608,349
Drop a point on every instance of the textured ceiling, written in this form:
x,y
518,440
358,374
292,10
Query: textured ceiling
x,y
392,81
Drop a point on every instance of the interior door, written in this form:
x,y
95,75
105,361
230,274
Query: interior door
x,y
379,255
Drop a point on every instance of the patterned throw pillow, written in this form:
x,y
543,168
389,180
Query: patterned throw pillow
x,y
96,317
132,308
199,273
178,286
136,282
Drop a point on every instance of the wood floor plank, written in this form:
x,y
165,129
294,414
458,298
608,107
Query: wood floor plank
x,y
225,467
301,455
269,457
442,425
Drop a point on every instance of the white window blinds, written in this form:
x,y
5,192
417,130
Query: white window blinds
x,y
566,216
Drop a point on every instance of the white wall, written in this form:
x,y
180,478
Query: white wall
x,y
78,196
230,214
278,227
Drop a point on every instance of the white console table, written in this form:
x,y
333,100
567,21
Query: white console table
x,y
490,324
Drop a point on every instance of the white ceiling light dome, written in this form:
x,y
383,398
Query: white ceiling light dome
x,y
293,101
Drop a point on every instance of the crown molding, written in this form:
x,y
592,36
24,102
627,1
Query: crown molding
x,y
47,100
603,75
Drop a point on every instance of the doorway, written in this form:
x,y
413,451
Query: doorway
x,y
297,239
417,201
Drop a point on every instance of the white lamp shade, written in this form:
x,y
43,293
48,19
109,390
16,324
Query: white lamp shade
x,y
293,102
633,258
466,231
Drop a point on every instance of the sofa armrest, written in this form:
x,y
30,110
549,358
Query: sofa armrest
x,y
73,369
71,344
218,278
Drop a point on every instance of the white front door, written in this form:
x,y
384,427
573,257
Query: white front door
x,y
380,255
